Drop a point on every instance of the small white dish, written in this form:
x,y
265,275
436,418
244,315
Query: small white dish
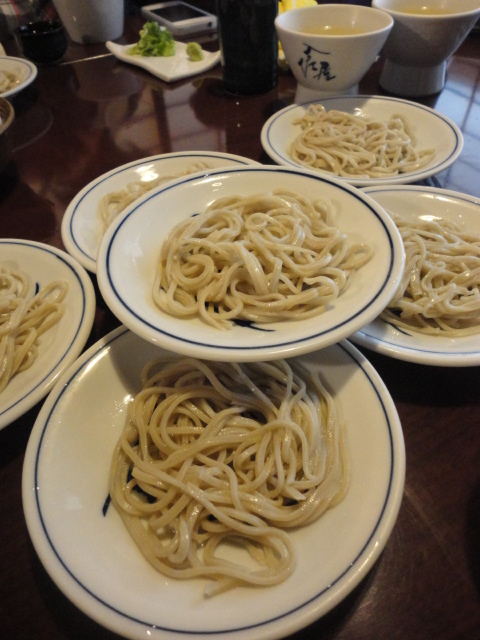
x,y
82,227
129,252
381,337
24,69
88,553
429,128
59,346
167,68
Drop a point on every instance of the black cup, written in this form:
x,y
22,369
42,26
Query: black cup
x,y
43,42
249,45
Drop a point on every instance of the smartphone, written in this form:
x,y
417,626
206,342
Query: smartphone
x,y
180,18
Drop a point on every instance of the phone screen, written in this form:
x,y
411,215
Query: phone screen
x,y
177,12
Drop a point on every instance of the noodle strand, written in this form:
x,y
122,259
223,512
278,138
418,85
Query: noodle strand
x,y
215,455
23,320
440,290
353,146
261,258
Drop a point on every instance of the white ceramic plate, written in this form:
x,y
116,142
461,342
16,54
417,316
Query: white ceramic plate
x,y
62,344
129,251
413,201
25,69
428,127
82,227
170,68
93,560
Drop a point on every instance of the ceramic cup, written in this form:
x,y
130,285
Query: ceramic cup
x,y
91,21
330,47
424,35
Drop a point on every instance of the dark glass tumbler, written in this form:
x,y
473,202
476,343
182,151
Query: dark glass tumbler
x,y
43,42
249,45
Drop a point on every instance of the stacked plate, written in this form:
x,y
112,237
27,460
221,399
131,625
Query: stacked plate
x,y
83,543
403,195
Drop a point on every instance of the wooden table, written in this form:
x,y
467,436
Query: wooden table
x,y
91,114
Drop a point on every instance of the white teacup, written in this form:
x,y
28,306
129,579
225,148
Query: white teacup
x,y
88,21
424,35
330,47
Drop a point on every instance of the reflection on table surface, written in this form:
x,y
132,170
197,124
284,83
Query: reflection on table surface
x,y
92,113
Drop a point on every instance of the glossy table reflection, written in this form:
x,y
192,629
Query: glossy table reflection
x,y
90,114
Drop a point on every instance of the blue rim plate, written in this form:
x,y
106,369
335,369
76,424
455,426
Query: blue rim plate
x,y
428,127
129,251
92,559
26,70
60,346
82,227
379,336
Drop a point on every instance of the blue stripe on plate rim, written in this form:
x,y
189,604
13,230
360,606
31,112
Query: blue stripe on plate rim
x,y
66,261
343,187
162,157
356,357
32,74
25,63
413,350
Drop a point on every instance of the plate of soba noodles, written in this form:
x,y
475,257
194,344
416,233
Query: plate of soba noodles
x,y
47,305
434,317
364,140
15,75
96,206
250,263
170,496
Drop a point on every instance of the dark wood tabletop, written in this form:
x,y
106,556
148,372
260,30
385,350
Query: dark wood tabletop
x,y
92,113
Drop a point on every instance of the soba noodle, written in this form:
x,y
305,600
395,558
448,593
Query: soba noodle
x,y
440,290
8,80
24,319
260,258
352,146
115,202
218,456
